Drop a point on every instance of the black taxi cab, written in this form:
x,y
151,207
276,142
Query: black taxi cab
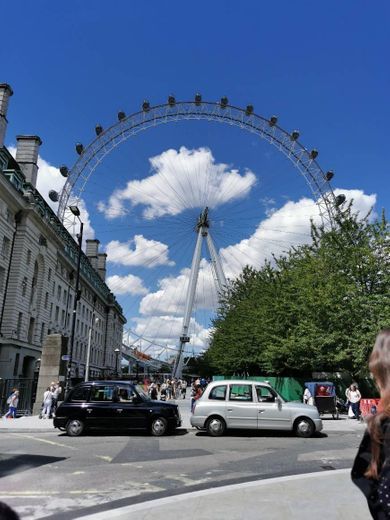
x,y
117,405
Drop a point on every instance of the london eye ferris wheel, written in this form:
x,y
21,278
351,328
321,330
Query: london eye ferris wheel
x,y
180,212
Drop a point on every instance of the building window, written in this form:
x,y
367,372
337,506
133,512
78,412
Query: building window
x,y
24,286
8,215
28,257
64,298
34,282
46,300
56,314
2,279
59,292
49,275
42,333
19,325
30,335
6,247
51,310
63,318
16,365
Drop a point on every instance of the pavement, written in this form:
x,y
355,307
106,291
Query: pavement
x,y
312,495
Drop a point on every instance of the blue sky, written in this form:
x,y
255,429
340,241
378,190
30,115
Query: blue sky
x,y
322,68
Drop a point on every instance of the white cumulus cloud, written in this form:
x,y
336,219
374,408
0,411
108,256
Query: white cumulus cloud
x,y
128,284
181,180
170,297
139,251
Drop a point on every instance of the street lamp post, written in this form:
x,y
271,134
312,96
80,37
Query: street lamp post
x,y
76,212
93,321
116,361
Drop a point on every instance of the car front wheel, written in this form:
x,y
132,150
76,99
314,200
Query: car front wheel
x,y
75,427
159,426
304,427
216,426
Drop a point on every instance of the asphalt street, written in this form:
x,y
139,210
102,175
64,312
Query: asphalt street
x,y
47,474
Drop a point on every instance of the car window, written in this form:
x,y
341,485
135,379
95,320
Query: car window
x,y
218,393
102,393
264,394
126,394
80,394
240,393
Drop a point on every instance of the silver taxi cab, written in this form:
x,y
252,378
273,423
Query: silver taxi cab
x,y
253,405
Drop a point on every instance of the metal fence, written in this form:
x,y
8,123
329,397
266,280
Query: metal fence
x,y
27,391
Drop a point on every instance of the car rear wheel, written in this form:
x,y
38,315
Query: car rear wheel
x,y
304,427
159,426
216,426
75,427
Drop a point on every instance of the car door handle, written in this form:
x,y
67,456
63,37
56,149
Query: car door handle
x,y
261,410
119,410
89,410
230,409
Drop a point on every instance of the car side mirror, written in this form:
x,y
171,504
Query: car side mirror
x,y
278,401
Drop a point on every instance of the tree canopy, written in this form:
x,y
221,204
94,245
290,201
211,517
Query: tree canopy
x,y
319,307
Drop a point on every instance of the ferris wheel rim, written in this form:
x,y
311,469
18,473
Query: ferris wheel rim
x,y
291,147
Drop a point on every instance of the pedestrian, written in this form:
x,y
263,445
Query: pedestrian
x,y
153,392
354,401
163,393
196,393
183,388
47,401
56,391
12,401
371,469
306,396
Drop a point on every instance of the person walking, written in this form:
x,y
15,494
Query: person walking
x,y
47,401
56,390
354,400
12,401
371,469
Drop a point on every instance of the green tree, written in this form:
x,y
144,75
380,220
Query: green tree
x,y
317,308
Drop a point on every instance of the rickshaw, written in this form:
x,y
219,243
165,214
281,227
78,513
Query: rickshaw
x,y
323,395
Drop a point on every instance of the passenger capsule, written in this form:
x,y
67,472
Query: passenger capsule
x,y
53,195
98,129
314,153
294,135
329,175
272,121
198,99
64,170
340,199
79,148
249,110
121,115
224,102
146,106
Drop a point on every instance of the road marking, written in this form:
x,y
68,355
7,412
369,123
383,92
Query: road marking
x,y
45,441
104,457
78,473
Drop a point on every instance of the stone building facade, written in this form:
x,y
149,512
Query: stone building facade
x,y
38,265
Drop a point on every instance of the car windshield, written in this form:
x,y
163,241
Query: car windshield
x,y
142,392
